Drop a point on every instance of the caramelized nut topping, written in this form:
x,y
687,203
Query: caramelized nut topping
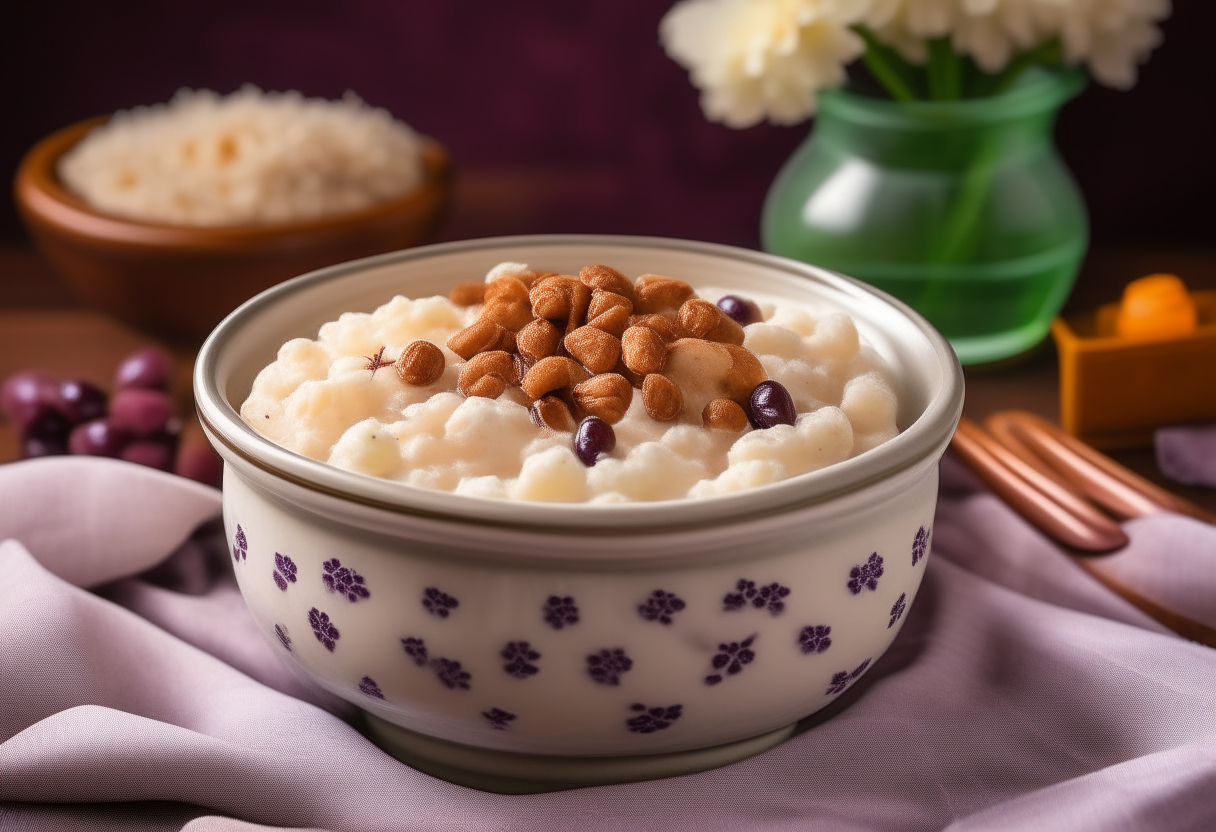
x,y
664,325
657,294
468,294
553,373
551,412
608,279
606,395
421,363
593,348
560,298
538,340
707,370
484,334
507,303
495,364
701,319
724,414
643,350
614,321
662,398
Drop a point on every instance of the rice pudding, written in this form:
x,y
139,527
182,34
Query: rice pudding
x,y
531,385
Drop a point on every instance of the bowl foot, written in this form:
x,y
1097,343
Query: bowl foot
x,y
507,772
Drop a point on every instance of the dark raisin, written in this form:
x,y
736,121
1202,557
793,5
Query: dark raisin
x,y
593,437
770,404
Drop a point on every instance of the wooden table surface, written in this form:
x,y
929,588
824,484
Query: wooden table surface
x,y
42,326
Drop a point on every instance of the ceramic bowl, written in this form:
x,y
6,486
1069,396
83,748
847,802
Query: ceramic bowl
x,y
178,282
522,646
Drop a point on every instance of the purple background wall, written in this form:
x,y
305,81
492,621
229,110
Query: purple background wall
x,y
575,98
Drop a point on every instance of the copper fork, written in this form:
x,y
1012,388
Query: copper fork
x,y
1073,494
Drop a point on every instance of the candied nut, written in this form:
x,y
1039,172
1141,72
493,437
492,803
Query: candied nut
x,y
551,412
656,293
603,300
633,378
484,334
506,289
665,325
495,364
553,373
662,398
606,395
468,294
538,340
607,279
613,320
701,319
593,348
421,363
643,350
724,414
560,298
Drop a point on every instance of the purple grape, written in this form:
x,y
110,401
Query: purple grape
x,y
593,437
199,461
742,310
26,393
770,404
146,369
34,446
48,425
100,437
140,411
81,401
151,452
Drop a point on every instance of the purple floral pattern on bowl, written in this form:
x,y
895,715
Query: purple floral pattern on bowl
x,y
815,638
607,666
284,638
897,609
415,648
840,681
731,658
519,656
866,575
240,545
660,606
437,602
499,719
560,611
451,674
343,580
920,545
649,720
323,628
284,571
368,687
767,597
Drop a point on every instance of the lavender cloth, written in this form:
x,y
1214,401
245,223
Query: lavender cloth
x,y
1187,453
1020,694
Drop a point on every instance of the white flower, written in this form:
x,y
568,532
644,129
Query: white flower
x,y
754,59
1110,36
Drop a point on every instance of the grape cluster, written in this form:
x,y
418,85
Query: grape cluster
x,y
138,423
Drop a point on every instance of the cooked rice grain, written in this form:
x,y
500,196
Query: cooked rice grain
x,y
243,159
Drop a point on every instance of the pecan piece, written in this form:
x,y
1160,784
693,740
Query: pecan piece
x,y
538,340
482,335
488,374
468,294
421,363
551,412
606,395
553,373
643,350
724,414
614,320
701,319
665,325
656,293
593,348
662,398
560,298
608,279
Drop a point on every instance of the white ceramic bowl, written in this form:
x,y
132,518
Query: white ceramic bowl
x,y
520,646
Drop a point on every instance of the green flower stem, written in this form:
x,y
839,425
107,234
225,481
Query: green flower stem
x,y
888,67
945,71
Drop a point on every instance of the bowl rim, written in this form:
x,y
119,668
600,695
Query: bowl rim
x,y
926,437
40,194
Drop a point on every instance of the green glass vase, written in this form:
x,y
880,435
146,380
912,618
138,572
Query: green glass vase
x,y
963,209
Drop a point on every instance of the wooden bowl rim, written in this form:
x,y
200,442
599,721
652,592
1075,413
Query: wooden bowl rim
x,y
42,198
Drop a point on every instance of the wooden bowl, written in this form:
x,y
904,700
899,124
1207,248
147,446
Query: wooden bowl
x,y
177,282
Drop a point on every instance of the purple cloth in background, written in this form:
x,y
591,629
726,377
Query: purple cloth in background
x,y
1186,454
1020,694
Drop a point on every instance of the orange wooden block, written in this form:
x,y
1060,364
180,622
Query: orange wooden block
x,y
1115,391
